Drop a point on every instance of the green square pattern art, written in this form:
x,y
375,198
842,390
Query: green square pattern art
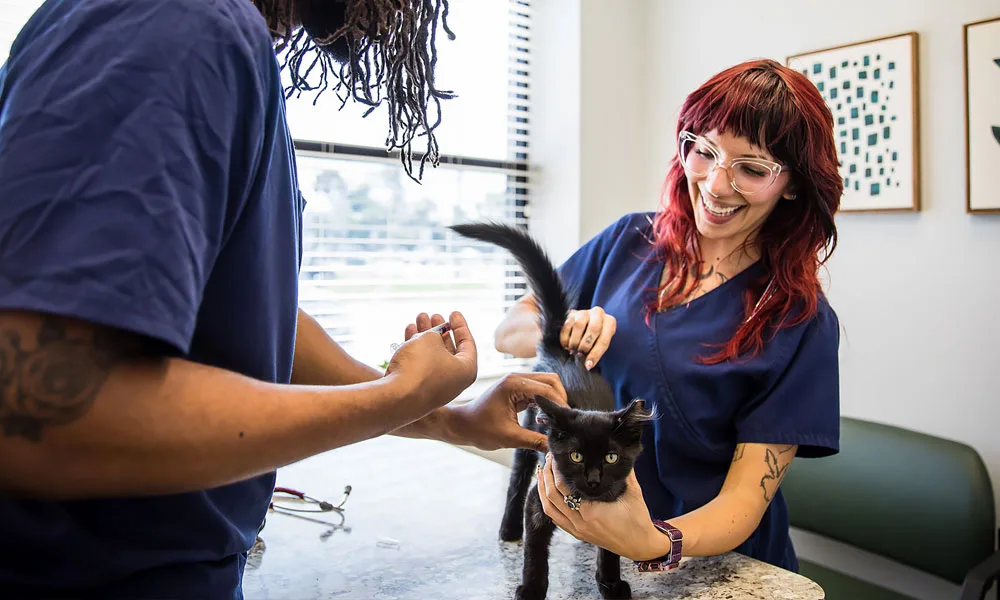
x,y
874,135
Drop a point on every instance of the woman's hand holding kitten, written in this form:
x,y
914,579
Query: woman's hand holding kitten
x,y
622,526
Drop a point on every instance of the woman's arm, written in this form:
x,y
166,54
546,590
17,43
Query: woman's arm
x,y
733,515
519,333
721,525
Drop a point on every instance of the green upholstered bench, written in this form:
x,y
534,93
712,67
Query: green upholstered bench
x,y
916,499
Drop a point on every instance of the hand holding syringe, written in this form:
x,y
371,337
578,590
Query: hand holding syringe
x,y
443,329
436,361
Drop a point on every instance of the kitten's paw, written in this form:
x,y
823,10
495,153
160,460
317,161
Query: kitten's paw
x,y
615,590
530,592
511,530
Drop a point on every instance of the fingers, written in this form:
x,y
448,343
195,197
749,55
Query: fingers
x,y
425,322
557,480
580,323
608,328
567,329
557,492
529,440
593,330
436,320
553,380
553,503
528,385
465,345
589,333
543,494
422,324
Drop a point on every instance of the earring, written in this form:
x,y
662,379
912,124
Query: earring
x,y
792,196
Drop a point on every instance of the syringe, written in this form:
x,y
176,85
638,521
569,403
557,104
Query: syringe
x,y
443,329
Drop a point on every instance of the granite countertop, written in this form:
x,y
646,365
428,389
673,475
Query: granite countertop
x,y
421,523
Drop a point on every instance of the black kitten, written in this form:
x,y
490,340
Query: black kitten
x,y
594,446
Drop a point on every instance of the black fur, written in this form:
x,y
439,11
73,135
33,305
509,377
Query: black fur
x,y
591,431
542,277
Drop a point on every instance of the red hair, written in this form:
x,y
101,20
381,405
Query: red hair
x,y
780,110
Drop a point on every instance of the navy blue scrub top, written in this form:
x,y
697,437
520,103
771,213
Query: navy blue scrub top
x,y
787,394
147,183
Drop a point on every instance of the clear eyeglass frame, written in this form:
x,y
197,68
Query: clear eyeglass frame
x,y
773,169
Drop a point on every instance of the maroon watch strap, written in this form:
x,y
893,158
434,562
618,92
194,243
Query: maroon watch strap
x,y
668,561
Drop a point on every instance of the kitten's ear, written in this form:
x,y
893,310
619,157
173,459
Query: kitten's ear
x,y
636,410
549,413
631,418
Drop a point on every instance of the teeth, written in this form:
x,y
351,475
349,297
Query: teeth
x,y
717,209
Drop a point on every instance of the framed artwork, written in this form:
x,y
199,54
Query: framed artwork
x,y
982,115
871,89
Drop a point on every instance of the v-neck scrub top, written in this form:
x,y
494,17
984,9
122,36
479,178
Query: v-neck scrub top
x,y
787,394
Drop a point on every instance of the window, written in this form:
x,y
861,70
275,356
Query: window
x,y
377,250
13,15
376,247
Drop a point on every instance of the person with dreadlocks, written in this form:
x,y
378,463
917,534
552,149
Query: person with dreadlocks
x,y
155,368
711,310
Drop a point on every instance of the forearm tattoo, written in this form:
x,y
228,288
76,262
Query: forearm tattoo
x,y
738,454
53,380
776,470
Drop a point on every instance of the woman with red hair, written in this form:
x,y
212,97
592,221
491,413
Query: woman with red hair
x,y
711,310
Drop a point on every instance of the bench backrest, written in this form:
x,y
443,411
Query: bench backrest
x,y
917,499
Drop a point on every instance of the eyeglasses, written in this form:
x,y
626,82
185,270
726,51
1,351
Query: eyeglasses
x,y
747,175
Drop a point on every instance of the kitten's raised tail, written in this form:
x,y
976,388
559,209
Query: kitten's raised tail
x,y
543,278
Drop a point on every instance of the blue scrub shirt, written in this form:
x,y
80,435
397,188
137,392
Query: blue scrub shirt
x,y
787,394
147,183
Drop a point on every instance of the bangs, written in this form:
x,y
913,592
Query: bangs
x,y
755,104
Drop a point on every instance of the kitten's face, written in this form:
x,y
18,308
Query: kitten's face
x,y
594,451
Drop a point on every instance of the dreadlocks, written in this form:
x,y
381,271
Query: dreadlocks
x,y
373,51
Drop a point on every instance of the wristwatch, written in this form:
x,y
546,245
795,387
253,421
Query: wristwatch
x,y
672,559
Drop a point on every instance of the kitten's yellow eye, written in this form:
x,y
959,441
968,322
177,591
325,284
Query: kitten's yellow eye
x,y
611,457
576,457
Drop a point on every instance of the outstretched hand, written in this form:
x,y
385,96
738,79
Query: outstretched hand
x,y
490,421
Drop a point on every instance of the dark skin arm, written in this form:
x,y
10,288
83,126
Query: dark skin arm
x,y
488,422
88,411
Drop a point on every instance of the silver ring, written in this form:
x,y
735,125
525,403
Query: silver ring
x,y
573,502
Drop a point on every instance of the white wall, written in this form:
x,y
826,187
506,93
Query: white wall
x,y
915,292
590,68
555,125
